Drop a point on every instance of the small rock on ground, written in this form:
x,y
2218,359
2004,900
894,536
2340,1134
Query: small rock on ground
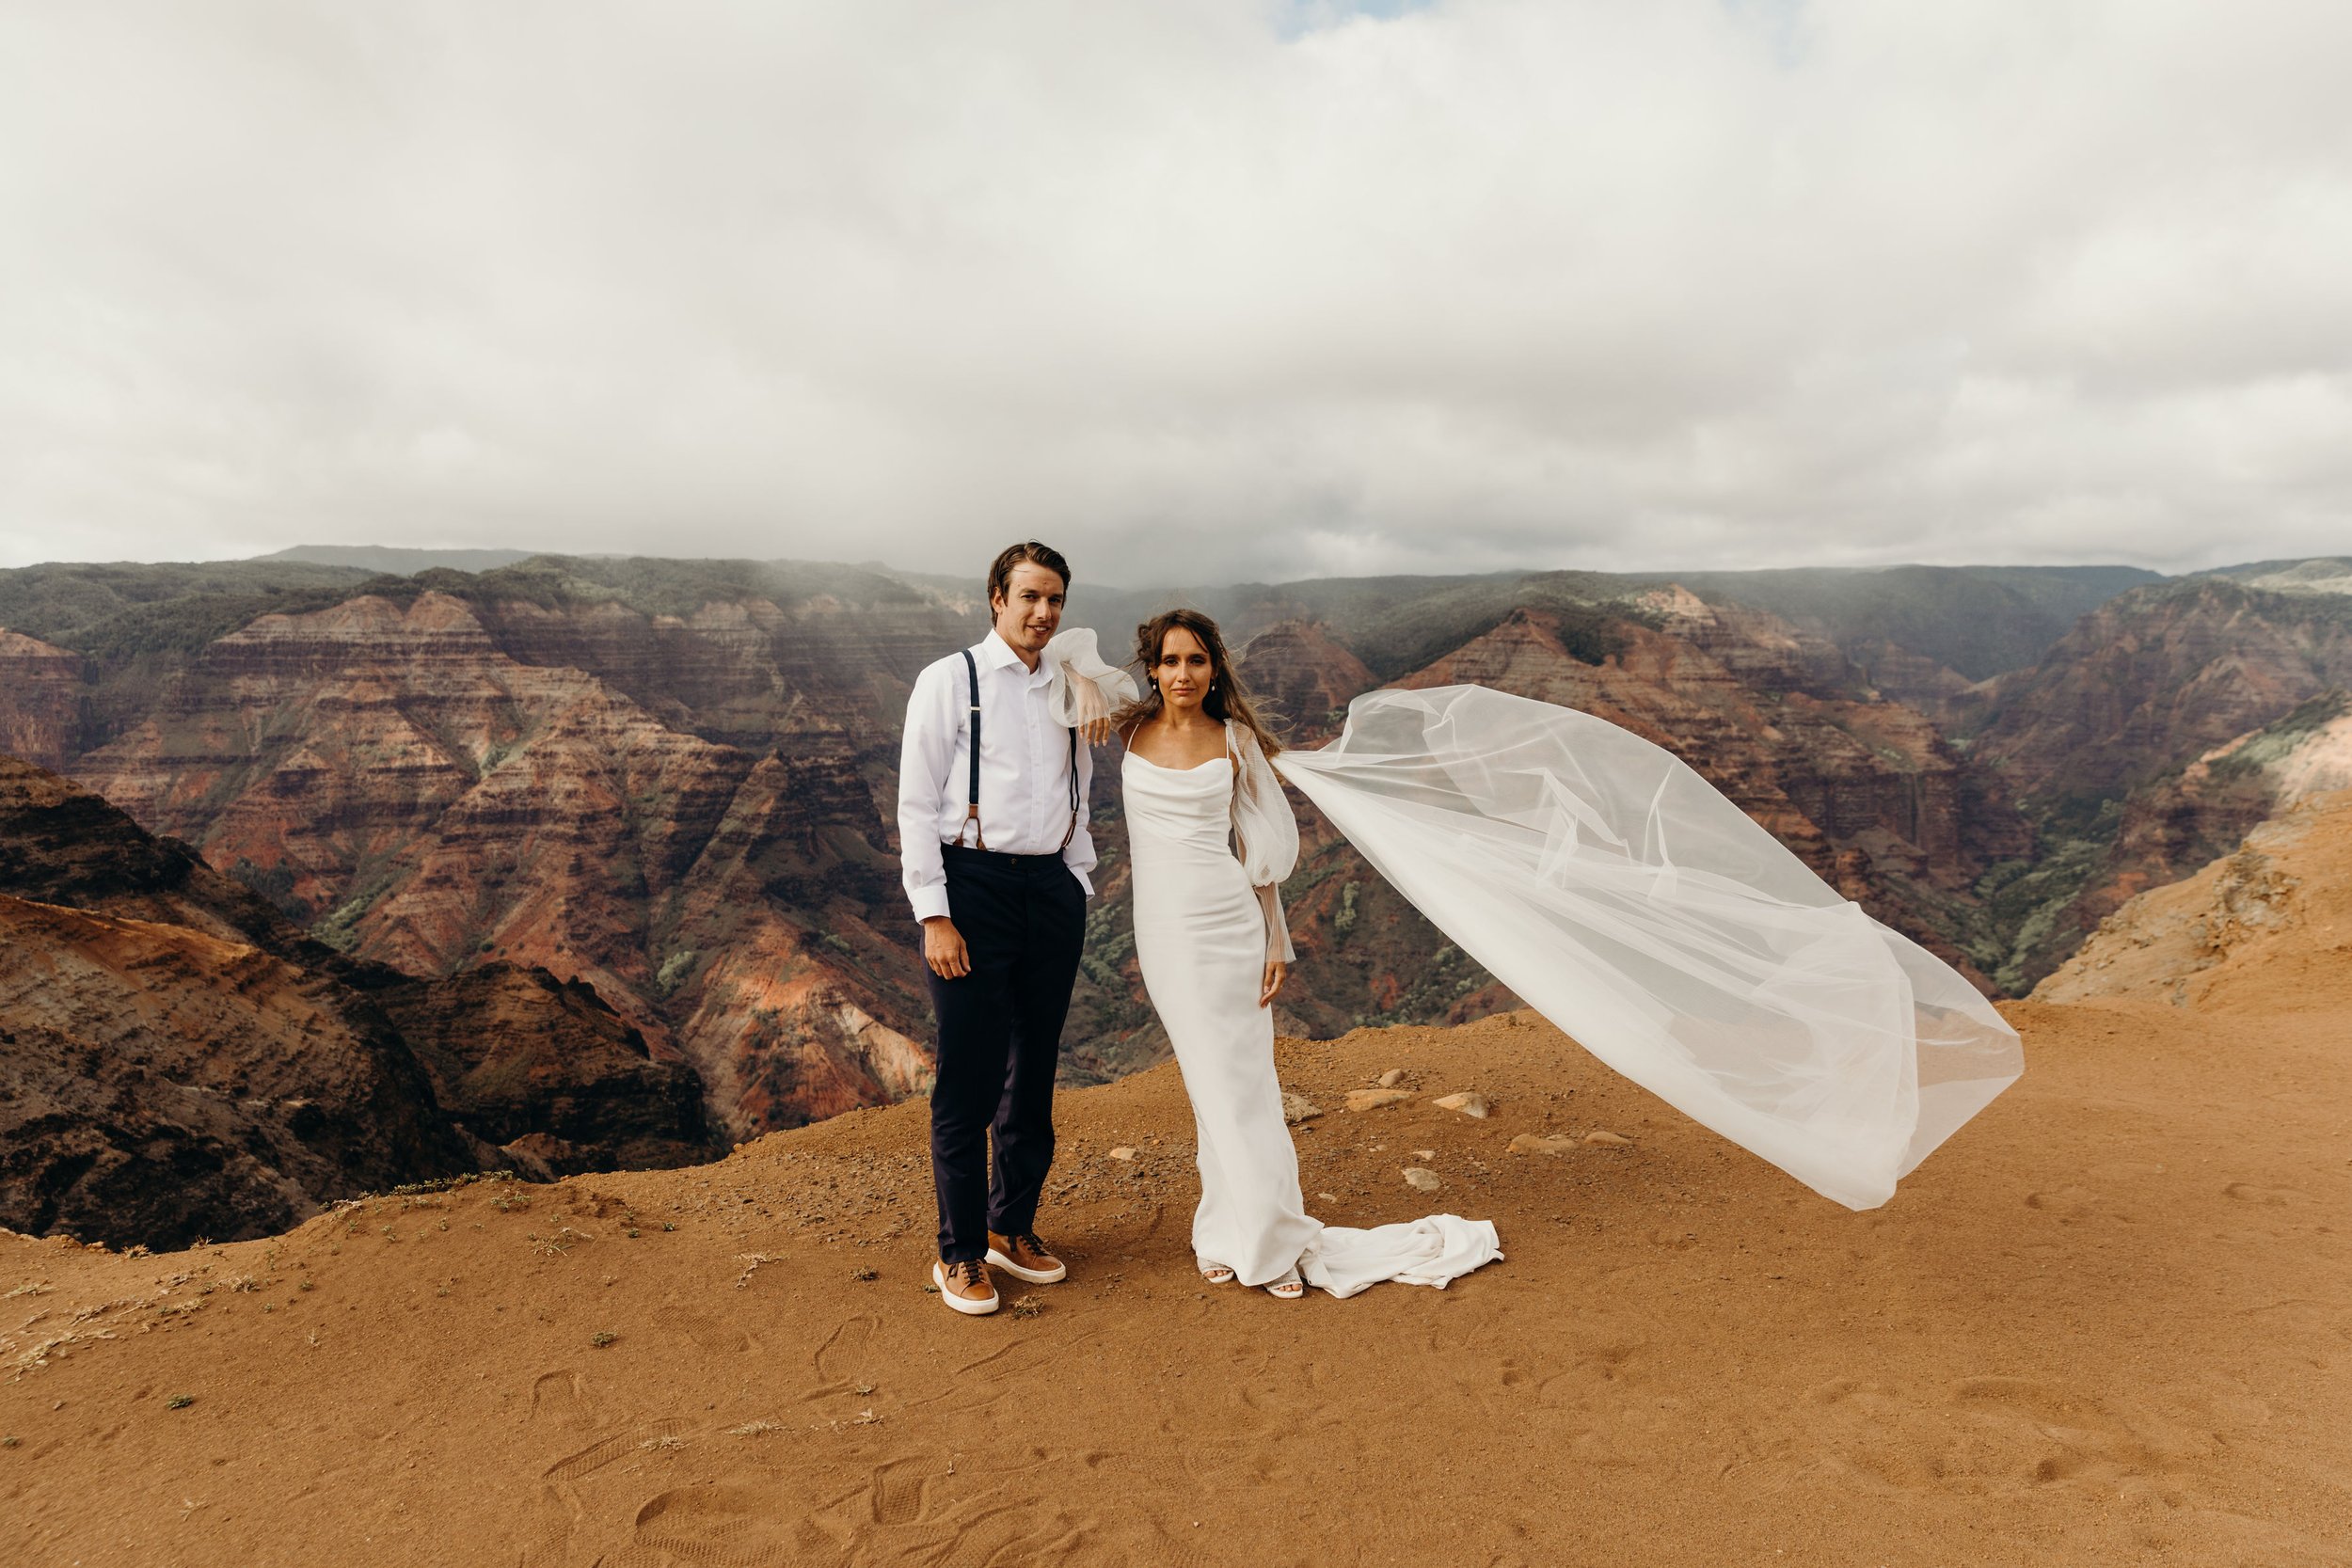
x,y
1297,1107
1468,1104
1422,1181
1530,1143
1606,1137
1391,1078
1371,1099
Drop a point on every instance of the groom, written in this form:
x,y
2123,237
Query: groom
x,y
993,836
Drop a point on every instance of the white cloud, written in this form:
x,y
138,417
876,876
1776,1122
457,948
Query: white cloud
x,y
1224,288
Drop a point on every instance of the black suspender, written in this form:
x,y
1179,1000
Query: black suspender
x,y
972,791
971,797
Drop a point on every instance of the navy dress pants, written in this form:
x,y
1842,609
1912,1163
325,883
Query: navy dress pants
x,y
1023,918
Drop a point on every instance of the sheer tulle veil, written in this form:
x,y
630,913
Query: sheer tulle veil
x,y
1634,906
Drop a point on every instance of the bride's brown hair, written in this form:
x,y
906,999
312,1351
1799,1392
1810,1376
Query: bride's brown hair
x,y
1224,699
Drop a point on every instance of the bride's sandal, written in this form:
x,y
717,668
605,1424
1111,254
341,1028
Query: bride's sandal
x,y
1289,1287
1216,1274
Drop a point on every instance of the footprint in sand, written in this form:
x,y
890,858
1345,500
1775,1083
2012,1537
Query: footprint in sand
x,y
898,1491
559,1398
905,1512
2068,1204
845,1359
1002,1371
2039,1435
560,1407
1869,1398
706,1334
2277,1198
719,1526
595,1456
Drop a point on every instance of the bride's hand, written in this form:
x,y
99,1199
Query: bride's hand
x,y
1093,711
1275,972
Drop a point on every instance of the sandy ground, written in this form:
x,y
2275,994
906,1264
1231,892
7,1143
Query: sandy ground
x,y
2110,1323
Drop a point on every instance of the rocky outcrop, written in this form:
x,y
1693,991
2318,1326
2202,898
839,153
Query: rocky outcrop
x,y
63,843
546,1070
2272,918
1900,676
2156,679
139,1018
1305,678
158,1085
788,953
1760,651
44,698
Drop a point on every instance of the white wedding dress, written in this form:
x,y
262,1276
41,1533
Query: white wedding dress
x,y
1617,892
1206,924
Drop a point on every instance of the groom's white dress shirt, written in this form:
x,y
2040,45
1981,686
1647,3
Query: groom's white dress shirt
x,y
1024,770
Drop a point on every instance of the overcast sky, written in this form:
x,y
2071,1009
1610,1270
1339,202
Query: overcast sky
x,y
1203,289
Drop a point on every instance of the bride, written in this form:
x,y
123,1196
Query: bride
x,y
1210,839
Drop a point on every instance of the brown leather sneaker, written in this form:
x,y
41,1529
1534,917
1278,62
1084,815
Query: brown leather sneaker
x,y
1025,1257
966,1288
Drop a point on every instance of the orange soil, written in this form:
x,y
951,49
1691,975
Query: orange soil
x,y
2106,1325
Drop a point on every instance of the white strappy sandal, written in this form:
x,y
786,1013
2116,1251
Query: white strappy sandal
x,y
1289,1287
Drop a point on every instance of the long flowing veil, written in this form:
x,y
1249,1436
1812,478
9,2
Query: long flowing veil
x,y
1627,901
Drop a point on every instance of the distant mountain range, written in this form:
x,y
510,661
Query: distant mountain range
x,y
393,560
670,782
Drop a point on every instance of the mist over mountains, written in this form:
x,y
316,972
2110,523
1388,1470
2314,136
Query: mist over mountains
x,y
668,783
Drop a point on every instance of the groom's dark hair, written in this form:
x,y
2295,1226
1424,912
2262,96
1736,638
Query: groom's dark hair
x,y
1035,554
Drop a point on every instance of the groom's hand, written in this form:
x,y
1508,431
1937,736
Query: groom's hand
x,y
1276,971
944,949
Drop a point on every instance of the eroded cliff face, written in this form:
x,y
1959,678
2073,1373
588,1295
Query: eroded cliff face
x,y
308,755
158,1085
790,950
2146,743
546,1070
2271,918
44,718
178,1059
1303,676
423,797
2160,676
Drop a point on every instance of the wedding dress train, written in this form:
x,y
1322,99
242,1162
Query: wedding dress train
x,y
1633,905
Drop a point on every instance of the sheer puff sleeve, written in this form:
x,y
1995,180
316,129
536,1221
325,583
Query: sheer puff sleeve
x,y
1265,833
1085,688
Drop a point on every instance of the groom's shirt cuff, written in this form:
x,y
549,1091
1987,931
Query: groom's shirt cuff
x,y
931,903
